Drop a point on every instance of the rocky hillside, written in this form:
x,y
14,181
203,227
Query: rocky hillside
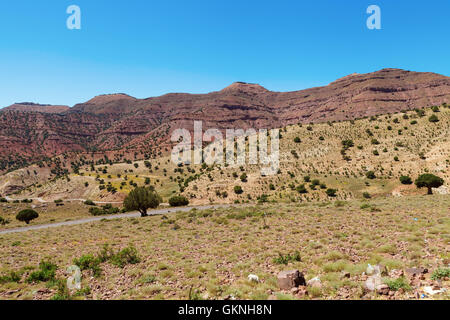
x,y
34,107
120,124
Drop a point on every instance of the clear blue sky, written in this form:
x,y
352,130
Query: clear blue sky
x,y
147,48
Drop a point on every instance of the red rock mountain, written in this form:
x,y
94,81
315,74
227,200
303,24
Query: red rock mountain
x,y
124,124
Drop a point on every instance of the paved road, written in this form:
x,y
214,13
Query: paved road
x,y
110,217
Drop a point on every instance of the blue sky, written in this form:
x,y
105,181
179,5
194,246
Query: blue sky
x,y
146,48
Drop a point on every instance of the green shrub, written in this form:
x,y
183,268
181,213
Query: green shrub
x,y
178,201
285,259
4,221
440,274
331,192
433,118
89,203
366,195
399,283
406,180
370,175
11,277
45,273
89,262
301,189
126,256
238,190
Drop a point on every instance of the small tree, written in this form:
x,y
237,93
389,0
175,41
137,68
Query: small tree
x,y
429,181
142,199
27,215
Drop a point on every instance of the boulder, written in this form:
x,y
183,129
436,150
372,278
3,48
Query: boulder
x,y
290,279
373,282
383,289
416,271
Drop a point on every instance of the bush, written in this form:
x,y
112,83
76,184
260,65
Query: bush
x,y
366,195
13,276
405,180
126,256
89,203
301,189
370,175
440,274
243,177
89,262
178,201
433,118
331,192
46,272
285,259
4,221
238,190
104,210
297,140
399,283
27,215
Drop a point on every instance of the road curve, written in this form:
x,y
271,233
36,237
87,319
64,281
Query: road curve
x,y
110,217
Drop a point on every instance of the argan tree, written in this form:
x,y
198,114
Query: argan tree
x,y
429,181
142,199
27,215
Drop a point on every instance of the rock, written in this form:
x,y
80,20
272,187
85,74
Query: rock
x,y
253,278
373,282
370,270
346,275
314,282
416,271
383,289
378,269
431,291
302,292
295,290
290,279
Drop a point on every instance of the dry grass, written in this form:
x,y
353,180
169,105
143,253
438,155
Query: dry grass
x,y
213,251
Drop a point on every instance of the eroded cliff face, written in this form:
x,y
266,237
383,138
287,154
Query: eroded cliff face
x,y
119,122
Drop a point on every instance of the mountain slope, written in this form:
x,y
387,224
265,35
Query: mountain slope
x,y
122,124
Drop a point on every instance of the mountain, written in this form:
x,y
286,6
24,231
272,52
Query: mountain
x,y
119,125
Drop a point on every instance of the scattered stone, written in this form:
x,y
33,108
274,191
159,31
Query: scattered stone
x,y
315,283
383,289
431,291
295,290
290,279
373,282
253,278
346,275
416,271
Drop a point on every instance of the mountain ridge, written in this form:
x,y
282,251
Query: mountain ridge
x,y
122,124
